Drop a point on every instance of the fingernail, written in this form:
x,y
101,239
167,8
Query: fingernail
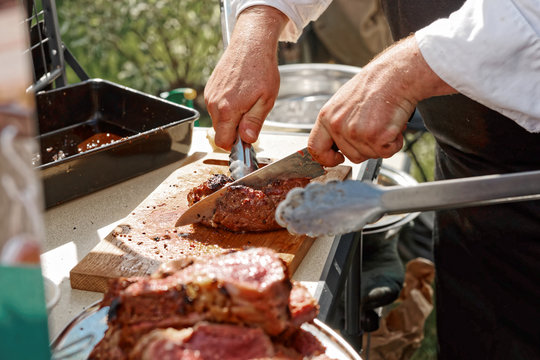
x,y
252,135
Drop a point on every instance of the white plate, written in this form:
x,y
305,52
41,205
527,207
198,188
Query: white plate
x,y
78,339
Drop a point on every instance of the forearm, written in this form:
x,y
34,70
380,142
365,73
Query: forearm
x,y
258,27
404,74
299,13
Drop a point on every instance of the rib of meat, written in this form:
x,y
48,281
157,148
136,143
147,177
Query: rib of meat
x,y
305,343
244,208
248,286
241,289
302,306
207,341
204,341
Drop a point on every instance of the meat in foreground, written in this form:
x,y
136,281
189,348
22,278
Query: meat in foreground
x,y
243,297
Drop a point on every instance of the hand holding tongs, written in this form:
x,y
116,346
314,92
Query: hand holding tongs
x,y
242,159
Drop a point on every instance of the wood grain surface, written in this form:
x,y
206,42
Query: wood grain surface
x,y
146,238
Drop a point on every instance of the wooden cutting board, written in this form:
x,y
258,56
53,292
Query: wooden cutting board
x,y
147,237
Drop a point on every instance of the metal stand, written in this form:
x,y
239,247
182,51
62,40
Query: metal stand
x,y
49,54
342,276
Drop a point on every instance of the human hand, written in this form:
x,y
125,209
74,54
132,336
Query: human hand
x,y
244,85
367,115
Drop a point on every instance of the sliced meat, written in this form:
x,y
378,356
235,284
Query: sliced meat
x,y
306,343
213,184
249,286
231,297
205,341
245,287
245,209
302,306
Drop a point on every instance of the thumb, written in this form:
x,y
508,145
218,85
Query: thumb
x,y
252,121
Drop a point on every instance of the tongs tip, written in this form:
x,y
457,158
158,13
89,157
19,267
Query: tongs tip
x,y
242,159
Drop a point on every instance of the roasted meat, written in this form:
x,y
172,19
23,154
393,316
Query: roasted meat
x,y
248,288
208,341
243,208
216,182
205,341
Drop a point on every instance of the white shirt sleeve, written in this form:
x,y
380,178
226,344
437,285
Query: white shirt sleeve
x,y
489,50
300,13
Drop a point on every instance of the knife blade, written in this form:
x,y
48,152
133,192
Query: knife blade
x,y
298,164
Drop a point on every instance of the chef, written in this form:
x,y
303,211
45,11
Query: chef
x,y
472,68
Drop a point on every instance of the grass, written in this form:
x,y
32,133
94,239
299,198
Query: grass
x,y
423,150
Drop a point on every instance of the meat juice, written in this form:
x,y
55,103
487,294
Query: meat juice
x,y
69,141
23,315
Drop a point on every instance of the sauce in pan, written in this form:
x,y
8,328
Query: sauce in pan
x,y
57,145
97,140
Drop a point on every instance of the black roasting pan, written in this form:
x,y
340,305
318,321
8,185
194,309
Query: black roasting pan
x,y
96,133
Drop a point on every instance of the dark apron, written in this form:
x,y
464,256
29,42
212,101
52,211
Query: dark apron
x,y
487,258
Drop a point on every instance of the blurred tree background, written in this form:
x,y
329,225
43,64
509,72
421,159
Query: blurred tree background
x,y
151,45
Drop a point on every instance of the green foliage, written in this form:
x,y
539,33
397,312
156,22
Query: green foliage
x,y
151,45
424,151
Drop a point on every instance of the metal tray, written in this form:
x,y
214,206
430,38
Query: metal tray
x,y
80,336
149,133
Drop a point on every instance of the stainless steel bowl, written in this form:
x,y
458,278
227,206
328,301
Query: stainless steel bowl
x,y
303,91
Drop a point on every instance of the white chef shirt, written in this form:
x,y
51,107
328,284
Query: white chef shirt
x,y
489,50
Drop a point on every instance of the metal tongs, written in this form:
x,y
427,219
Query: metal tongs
x,y
242,159
343,207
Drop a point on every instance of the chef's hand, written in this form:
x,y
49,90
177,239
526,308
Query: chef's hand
x,y
367,115
244,85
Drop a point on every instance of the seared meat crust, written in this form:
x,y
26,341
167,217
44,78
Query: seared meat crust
x,y
248,288
243,208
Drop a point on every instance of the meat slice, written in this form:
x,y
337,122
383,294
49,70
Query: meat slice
x,y
302,306
205,341
244,208
213,184
306,343
244,287
248,290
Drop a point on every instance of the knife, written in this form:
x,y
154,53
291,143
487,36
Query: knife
x,y
298,164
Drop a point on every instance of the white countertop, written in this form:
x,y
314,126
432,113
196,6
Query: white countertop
x,y
75,227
